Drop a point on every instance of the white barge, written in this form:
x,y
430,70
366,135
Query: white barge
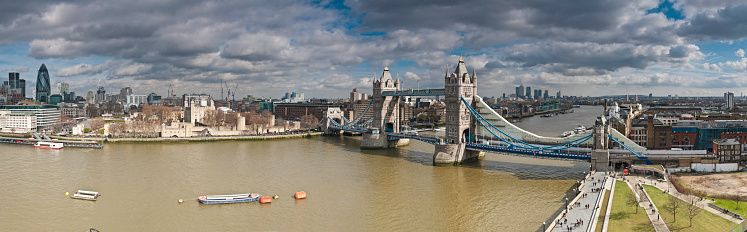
x,y
86,195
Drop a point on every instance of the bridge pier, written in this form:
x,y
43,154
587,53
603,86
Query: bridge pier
x,y
600,160
455,154
381,141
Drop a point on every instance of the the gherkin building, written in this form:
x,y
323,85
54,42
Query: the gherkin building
x,y
42,85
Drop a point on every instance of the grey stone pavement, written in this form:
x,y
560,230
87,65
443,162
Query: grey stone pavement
x,y
578,210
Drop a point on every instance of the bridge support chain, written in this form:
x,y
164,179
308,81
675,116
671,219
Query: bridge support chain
x,y
381,141
600,160
454,154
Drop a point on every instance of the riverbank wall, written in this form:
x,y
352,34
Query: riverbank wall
x,y
198,139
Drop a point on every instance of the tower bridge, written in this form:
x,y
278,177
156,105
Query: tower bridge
x,y
471,124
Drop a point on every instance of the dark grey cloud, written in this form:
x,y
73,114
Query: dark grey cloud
x,y
317,48
729,23
595,59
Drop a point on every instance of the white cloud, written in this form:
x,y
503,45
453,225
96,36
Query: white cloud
x,y
81,69
739,53
739,66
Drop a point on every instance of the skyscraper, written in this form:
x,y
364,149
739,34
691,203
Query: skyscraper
x,y
729,99
42,84
15,87
520,93
529,92
63,88
354,95
547,95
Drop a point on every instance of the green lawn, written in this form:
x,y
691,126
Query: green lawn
x,y
706,221
652,166
603,211
731,205
623,217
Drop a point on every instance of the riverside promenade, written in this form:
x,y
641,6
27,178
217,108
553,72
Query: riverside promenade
x,y
591,193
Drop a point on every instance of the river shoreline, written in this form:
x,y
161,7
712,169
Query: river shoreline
x,y
194,139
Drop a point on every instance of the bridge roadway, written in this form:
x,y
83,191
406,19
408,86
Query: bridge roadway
x,y
616,155
415,92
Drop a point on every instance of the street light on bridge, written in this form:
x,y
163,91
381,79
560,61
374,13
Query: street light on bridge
x,y
543,226
566,203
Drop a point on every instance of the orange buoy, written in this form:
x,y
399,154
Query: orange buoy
x,y
300,195
265,200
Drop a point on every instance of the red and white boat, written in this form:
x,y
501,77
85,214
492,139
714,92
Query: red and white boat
x,y
51,145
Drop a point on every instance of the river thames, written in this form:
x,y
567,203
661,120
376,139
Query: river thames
x,y
348,189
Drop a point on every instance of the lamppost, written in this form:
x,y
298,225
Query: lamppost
x,y
543,226
566,202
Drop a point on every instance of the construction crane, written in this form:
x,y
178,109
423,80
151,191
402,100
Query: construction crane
x,y
234,92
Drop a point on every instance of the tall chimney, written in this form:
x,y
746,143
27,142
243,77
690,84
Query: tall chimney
x,y
605,105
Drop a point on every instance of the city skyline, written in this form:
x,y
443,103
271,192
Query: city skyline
x,y
327,48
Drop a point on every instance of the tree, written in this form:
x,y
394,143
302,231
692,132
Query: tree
x,y
164,113
95,123
673,204
692,210
738,196
422,117
230,119
631,200
309,121
210,118
147,110
92,110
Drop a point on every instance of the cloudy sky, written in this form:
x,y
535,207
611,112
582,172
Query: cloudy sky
x,y
327,48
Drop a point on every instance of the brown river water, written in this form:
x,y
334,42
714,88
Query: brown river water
x,y
348,189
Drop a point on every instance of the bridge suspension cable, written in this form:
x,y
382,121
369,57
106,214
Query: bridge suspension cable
x,y
640,157
516,142
359,117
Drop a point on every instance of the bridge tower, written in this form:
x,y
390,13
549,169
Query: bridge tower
x,y
460,124
385,114
600,153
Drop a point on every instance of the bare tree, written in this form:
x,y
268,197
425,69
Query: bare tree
x,y
631,200
739,195
309,121
95,123
229,119
673,205
692,210
92,110
147,110
210,118
163,113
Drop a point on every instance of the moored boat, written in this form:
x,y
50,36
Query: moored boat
x,y
85,195
52,145
225,199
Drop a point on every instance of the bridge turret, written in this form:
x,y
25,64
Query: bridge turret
x,y
600,155
385,112
460,125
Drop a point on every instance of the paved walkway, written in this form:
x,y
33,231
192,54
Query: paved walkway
x,y
578,210
648,206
